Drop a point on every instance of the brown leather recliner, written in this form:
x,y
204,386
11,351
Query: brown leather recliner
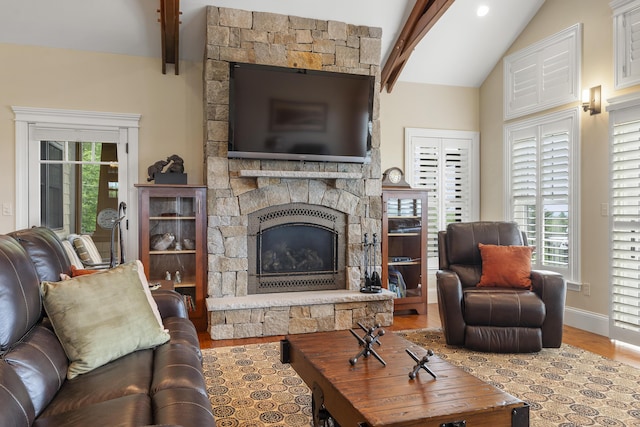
x,y
502,320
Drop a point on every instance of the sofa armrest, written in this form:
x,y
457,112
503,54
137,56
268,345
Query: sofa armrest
x,y
552,290
170,304
450,306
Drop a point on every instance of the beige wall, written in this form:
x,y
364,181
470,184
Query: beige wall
x,y
170,105
597,69
416,105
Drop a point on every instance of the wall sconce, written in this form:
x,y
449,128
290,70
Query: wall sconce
x,y
591,100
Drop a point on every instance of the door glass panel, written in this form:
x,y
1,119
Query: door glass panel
x,y
79,189
404,241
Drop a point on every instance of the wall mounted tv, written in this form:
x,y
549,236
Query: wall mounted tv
x,y
297,114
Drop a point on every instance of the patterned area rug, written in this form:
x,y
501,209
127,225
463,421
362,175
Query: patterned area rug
x,y
248,385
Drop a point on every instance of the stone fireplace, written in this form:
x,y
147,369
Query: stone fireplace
x,y
255,205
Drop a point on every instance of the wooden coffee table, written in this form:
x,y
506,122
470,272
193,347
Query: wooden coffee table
x,y
370,394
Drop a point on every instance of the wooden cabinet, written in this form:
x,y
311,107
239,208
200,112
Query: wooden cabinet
x,y
172,243
404,247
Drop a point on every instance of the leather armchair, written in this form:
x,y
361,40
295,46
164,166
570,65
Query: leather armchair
x,y
494,319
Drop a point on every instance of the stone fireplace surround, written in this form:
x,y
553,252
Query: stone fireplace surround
x,y
239,187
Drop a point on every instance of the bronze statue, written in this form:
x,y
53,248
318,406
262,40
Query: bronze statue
x,y
175,162
156,168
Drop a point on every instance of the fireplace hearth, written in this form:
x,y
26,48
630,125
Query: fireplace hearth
x,y
296,247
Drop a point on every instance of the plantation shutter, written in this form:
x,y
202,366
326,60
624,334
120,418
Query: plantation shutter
x,y
443,166
427,175
632,30
543,75
554,189
625,226
626,24
542,178
524,181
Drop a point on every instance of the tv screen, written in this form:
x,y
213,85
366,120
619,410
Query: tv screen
x,y
297,114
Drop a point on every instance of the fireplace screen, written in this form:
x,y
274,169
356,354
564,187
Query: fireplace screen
x,y
296,247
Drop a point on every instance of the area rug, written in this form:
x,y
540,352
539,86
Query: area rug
x,y
248,386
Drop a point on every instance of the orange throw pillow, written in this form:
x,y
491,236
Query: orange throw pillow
x,y
75,272
505,266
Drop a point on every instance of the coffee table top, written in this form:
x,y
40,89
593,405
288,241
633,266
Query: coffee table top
x,y
378,395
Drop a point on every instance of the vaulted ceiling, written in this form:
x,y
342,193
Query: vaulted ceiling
x,y
460,49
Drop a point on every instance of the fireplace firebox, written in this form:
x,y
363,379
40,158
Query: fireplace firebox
x,y
296,247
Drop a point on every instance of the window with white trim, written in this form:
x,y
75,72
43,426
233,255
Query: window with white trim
x,y
542,179
447,164
624,126
626,33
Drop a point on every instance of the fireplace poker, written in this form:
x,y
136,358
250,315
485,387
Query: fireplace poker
x,y
376,283
366,256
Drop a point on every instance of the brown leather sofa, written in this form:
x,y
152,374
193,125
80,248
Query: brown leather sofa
x,y
488,318
161,386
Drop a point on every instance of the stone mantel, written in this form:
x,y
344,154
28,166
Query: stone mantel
x,y
244,173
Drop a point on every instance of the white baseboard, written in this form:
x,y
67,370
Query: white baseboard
x,y
587,320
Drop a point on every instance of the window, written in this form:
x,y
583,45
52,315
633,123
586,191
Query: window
x,y
626,30
542,176
447,164
71,165
624,124
543,75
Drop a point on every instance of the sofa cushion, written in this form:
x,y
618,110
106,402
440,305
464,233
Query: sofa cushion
x,y
131,374
503,307
463,238
16,408
505,266
20,304
183,407
40,362
131,410
101,317
45,250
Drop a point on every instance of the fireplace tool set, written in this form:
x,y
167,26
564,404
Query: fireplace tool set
x,y
372,282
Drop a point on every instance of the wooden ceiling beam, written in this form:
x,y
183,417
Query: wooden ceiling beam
x,y
169,32
423,16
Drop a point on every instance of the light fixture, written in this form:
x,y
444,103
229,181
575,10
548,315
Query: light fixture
x,y
591,100
482,10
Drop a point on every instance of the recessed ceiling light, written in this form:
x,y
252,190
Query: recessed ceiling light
x,y
483,10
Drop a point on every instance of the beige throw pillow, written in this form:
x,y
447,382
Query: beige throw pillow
x,y
102,317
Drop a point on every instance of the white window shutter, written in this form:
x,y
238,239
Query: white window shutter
x,y
625,225
524,181
626,25
427,175
542,188
524,86
445,165
543,75
557,75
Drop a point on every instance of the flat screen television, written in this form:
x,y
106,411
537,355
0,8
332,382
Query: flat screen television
x,y
298,114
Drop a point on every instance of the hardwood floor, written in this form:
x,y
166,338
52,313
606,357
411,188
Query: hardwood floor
x,y
576,337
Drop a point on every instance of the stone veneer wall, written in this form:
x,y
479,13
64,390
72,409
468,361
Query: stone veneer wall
x,y
272,39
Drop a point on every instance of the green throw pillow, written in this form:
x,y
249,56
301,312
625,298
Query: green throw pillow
x,y
101,317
